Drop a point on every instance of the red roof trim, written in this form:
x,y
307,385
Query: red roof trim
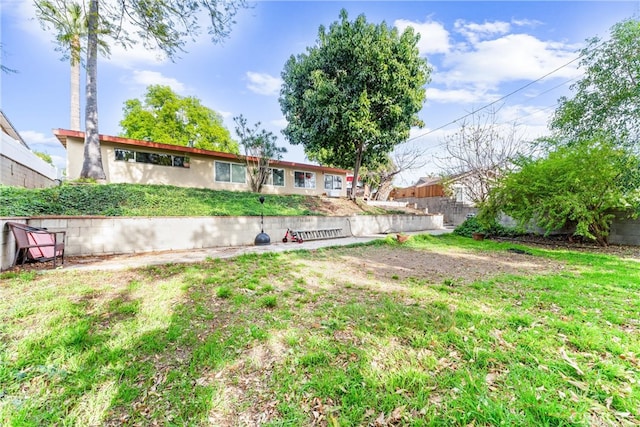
x,y
63,134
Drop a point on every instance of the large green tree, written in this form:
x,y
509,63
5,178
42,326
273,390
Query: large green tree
x,y
163,24
167,117
579,185
607,97
355,94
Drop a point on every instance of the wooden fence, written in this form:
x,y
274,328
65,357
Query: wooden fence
x,y
434,190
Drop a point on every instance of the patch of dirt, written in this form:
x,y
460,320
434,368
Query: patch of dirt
x,y
346,274
388,265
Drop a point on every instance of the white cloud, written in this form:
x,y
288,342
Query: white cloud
x,y
526,23
475,32
463,95
434,38
38,138
426,137
225,114
280,123
37,141
530,115
263,84
24,13
531,120
135,56
509,58
145,78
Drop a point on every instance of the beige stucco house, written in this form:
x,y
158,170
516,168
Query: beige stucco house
x,y
142,162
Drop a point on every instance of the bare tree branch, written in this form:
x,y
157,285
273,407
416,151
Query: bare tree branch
x,y
404,158
477,152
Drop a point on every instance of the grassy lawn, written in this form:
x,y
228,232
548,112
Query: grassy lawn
x,y
472,335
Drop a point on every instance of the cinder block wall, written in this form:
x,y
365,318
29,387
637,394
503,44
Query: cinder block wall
x,y
453,212
15,174
121,235
625,231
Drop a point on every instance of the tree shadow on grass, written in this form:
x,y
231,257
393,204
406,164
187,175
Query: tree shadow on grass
x,y
94,368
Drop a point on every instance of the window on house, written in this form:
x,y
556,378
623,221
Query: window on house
x,y
332,182
230,172
125,155
151,158
276,178
154,158
181,161
304,179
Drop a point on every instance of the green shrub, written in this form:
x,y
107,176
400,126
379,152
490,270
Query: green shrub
x,y
468,227
474,225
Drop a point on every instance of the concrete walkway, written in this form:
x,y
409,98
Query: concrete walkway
x,y
121,262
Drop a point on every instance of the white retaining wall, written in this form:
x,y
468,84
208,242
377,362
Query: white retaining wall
x,y
118,235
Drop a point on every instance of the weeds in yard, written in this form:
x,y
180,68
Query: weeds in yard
x,y
283,339
223,292
268,301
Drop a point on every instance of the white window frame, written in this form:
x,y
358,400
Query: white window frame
x,y
231,166
307,180
334,179
270,178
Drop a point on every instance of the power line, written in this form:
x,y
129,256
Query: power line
x,y
503,98
443,143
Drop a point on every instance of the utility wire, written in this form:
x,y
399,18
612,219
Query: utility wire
x,y
443,143
507,95
496,101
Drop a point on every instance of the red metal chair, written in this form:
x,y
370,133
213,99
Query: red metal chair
x,y
35,244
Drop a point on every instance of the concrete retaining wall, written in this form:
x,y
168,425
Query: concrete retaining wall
x,y
118,235
625,231
454,213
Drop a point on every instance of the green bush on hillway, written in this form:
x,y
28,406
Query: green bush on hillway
x,y
142,200
474,225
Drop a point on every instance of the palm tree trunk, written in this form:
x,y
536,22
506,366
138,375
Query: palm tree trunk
x,y
92,164
75,84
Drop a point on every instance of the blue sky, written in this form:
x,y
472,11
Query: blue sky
x,y
479,51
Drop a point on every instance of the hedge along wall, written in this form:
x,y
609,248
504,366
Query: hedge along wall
x,y
122,235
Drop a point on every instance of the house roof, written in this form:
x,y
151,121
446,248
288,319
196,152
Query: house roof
x,y
10,130
431,180
425,181
63,134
